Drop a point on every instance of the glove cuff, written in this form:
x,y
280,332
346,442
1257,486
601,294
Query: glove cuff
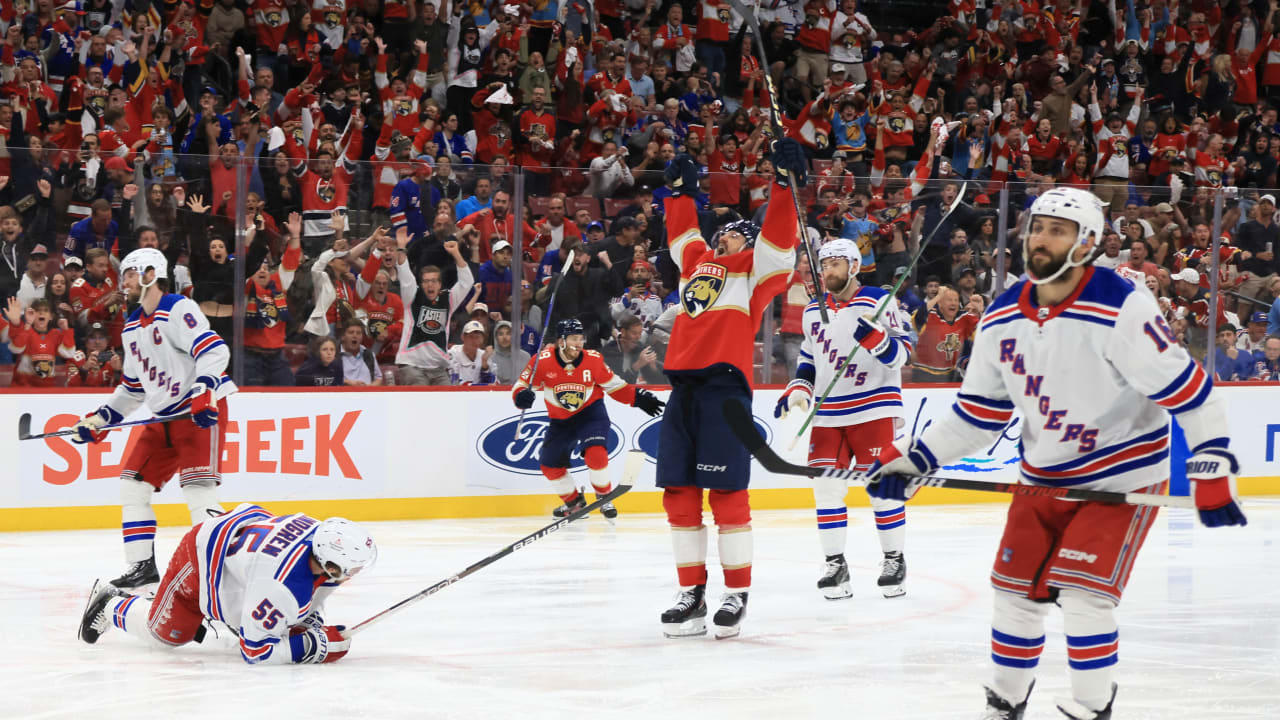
x,y
799,384
1208,456
106,412
208,381
918,453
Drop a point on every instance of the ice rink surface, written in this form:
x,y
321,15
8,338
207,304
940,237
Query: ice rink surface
x,y
569,627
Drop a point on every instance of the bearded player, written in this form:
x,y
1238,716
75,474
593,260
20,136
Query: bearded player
x,y
174,364
858,418
725,287
573,382
1094,371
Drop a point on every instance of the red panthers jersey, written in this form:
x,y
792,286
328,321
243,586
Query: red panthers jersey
x,y
570,388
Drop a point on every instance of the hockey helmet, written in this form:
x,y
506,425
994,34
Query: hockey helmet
x,y
144,259
842,248
748,229
1079,206
570,326
345,545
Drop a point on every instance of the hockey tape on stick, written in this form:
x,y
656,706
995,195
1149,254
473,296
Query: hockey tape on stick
x,y
835,377
742,426
24,426
546,324
630,473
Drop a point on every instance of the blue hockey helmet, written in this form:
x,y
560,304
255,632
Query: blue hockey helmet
x,y
570,326
748,229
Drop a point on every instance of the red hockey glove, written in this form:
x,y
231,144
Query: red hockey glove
x,y
1212,474
204,407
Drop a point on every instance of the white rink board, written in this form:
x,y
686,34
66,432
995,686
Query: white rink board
x,y
398,444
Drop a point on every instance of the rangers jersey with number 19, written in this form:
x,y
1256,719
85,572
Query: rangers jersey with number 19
x,y
868,388
1093,418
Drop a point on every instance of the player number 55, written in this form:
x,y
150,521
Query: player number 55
x,y
267,614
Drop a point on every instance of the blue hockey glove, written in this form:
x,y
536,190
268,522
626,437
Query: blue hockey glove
x,y
890,478
682,175
790,163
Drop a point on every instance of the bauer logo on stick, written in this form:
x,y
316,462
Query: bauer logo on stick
x,y
703,289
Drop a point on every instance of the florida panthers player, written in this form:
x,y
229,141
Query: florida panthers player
x,y
1094,371
573,382
173,363
725,287
858,418
264,576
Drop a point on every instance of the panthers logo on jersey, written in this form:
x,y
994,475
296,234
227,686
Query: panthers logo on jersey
x,y
404,106
43,368
325,192
332,18
703,289
570,397
950,345
275,19
722,12
897,124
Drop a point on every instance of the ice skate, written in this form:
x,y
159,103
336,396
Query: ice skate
x,y
94,622
688,617
138,574
834,582
1000,709
570,507
893,571
733,607
1076,711
607,509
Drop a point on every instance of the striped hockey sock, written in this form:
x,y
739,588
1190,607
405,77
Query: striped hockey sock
x,y
138,519
1093,646
832,514
129,614
1017,639
891,524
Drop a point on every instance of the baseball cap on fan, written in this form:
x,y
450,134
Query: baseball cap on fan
x,y
1258,317
73,260
97,329
473,327
1268,198
1188,275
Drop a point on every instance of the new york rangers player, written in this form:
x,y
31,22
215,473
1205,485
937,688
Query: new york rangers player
x,y
173,363
857,420
264,576
1094,371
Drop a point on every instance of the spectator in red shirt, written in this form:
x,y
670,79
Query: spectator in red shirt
x,y
96,365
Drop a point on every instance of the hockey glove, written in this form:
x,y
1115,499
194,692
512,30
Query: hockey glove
x,y
649,403
524,398
323,645
89,430
871,335
204,407
790,163
682,175
798,396
1212,474
892,475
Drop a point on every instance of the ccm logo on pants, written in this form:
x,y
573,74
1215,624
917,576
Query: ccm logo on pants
x,y
712,468
1077,555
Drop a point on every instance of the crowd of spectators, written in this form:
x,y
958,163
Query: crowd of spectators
x,y
407,178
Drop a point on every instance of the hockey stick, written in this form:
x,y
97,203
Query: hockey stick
x,y
813,413
775,115
1246,298
24,426
741,424
546,324
630,472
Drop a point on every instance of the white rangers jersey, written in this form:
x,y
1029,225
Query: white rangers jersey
x,y
1094,379
869,388
255,576
164,354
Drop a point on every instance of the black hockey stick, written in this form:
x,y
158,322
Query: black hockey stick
x,y
835,377
742,425
630,472
24,426
546,324
775,121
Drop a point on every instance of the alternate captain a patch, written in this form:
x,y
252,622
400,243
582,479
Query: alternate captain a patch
x,y
703,289
571,396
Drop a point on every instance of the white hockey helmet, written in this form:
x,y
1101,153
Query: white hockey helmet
x,y
144,259
842,248
345,545
1080,207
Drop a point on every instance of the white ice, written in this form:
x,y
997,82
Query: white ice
x,y
570,625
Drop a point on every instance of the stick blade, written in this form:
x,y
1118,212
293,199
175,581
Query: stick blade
x,y
24,426
631,469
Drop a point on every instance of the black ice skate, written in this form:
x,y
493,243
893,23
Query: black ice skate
x,y
1076,711
733,607
94,622
570,507
1000,709
138,574
893,571
607,509
688,617
834,582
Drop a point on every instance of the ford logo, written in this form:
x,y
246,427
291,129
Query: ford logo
x,y
499,446
646,438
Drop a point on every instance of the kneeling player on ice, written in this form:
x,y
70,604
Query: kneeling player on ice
x,y
173,363
264,576
725,288
858,418
1093,369
571,380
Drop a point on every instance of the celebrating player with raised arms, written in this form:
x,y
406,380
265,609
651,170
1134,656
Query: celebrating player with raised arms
x,y
1094,371
264,576
725,288
859,416
572,380
173,363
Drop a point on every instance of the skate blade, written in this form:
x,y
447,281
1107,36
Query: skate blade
x,y
724,632
892,591
689,628
838,592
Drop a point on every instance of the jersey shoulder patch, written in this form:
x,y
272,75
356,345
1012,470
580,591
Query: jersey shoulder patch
x,y
1106,287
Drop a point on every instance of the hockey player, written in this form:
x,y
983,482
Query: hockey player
x,y
1093,369
725,287
173,363
265,577
571,379
858,418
